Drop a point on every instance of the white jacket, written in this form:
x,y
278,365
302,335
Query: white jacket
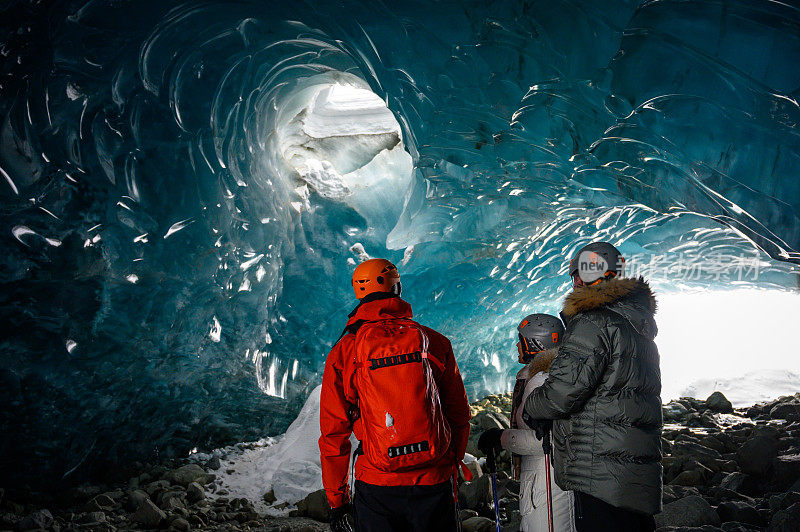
x,y
533,481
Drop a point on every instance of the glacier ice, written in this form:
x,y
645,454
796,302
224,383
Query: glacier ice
x,y
289,465
186,187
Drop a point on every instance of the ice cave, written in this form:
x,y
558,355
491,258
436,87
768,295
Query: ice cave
x,y
187,186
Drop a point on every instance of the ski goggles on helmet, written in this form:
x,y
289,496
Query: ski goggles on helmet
x,y
530,346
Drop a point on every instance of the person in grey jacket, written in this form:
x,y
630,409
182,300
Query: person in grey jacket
x,y
603,393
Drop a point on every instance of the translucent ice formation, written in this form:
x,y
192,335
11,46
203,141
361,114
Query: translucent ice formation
x,y
343,141
186,187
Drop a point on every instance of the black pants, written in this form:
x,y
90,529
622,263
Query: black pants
x,y
594,515
404,508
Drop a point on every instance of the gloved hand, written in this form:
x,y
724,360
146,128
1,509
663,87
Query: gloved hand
x,y
489,440
540,427
339,521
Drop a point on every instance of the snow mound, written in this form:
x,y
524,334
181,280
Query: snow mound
x,y
288,464
749,388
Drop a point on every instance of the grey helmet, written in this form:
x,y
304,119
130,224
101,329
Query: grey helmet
x,y
538,332
596,261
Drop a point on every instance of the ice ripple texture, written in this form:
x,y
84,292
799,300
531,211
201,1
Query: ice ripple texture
x,y
171,280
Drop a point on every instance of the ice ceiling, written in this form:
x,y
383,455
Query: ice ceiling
x,y
187,186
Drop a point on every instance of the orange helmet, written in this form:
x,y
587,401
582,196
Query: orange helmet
x,y
374,275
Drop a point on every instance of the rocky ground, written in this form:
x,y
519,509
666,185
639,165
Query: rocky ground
x,y
724,469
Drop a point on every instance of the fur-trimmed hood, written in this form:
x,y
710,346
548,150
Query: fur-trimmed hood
x,y
604,294
541,362
629,297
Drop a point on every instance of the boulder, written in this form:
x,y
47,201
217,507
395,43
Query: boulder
x,y
717,402
269,497
115,495
789,411
787,520
169,501
688,511
156,487
214,463
513,522
740,483
474,494
719,495
81,494
477,524
729,466
785,471
782,501
149,515
693,420
716,465
712,442
697,465
135,499
674,411
100,503
695,450
666,446
198,522
195,492
489,420
790,444
673,465
475,468
733,526
668,494
684,491
707,420
315,506
694,477
727,441
503,419
91,520
509,486
36,520
189,473
757,455
739,435
180,524
739,511
472,443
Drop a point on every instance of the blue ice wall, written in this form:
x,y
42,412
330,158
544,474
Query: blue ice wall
x,y
166,285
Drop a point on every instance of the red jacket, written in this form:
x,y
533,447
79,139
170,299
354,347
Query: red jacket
x,y
338,399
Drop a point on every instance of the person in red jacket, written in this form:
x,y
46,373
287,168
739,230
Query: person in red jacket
x,y
395,384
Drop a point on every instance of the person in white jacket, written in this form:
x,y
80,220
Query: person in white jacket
x,y
539,335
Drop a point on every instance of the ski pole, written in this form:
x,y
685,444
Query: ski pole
x,y
493,475
547,450
454,481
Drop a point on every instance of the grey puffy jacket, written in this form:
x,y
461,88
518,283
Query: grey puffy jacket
x,y
604,393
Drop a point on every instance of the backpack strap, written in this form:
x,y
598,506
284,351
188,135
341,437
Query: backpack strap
x,y
436,362
397,359
350,329
353,327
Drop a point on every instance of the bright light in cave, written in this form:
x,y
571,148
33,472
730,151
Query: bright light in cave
x,y
741,342
343,140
